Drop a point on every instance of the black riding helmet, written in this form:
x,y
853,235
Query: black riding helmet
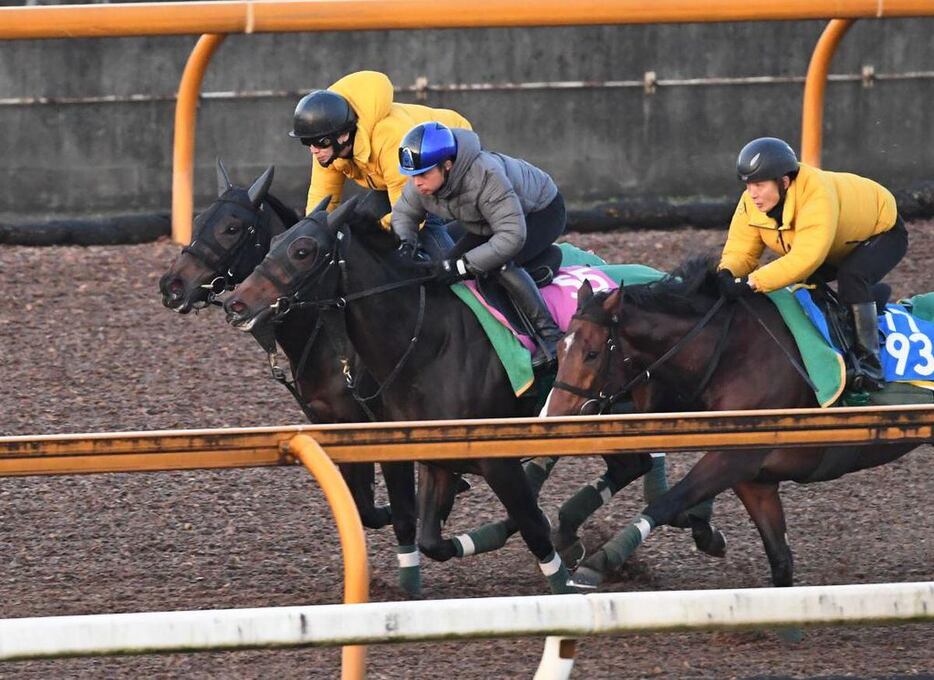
x,y
766,158
321,114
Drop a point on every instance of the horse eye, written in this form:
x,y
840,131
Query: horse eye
x,y
302,253
233,228
591,355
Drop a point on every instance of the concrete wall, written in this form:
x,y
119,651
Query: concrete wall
x,y
600,144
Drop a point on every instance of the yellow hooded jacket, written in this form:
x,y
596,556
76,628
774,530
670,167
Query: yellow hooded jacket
x,y
381,125
825,216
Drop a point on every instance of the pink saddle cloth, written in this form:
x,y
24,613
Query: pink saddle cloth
x,y
560,296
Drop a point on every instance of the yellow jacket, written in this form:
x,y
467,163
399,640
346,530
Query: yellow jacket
x,y
381,125
825,216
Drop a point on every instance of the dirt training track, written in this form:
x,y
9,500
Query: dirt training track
x,y
87,346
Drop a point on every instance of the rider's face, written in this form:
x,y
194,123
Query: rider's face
x,y
765,194
430,181
324,154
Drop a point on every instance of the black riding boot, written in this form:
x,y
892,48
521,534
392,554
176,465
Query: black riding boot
x,y
530,303
868,375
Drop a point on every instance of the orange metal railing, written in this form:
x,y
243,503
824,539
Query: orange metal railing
x,y
353,540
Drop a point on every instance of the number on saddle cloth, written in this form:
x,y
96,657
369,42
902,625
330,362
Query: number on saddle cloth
x,y
908,341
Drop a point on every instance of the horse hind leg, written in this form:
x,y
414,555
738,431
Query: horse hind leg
x,y
620,471
712,474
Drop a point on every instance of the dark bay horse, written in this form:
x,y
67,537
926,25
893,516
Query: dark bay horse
x,y
230,238
444,368
616,340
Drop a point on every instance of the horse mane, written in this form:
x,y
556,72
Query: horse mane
x,y
286,215
690,289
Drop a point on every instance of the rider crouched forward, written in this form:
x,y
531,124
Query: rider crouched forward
x,y
509,210
836,224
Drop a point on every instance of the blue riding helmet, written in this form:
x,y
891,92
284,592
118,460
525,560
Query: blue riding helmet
x,y
425,146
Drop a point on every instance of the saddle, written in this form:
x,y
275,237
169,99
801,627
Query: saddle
x,y
543,269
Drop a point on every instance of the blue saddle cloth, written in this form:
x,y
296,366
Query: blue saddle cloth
x,y
907,347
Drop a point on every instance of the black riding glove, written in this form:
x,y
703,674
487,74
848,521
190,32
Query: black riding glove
x,y
731,287
452,271
409,250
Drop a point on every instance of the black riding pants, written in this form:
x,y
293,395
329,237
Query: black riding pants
x,y
542,228
868,264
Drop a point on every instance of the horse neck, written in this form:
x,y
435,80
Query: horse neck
x,y
651,334
381,327
284,216
753,371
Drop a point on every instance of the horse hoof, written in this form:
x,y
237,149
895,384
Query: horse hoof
x,y
716,546
585,579
461,486
572,554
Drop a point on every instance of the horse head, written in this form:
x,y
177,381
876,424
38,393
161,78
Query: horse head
x,y
588,356
230,238
297,261
311,262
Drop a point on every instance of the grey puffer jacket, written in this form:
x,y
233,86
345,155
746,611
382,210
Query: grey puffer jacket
x,y
488,193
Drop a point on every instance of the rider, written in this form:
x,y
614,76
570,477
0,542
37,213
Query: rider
x,y
843,224
353,130
509,210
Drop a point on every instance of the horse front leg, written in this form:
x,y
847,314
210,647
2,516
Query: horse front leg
x,y
621,469
510,484
436,490
400,485
361,479
764,506
494,535
712,474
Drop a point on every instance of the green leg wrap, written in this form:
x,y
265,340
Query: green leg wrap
x,y
619,548
557,574
575,511
655,481
537,471
410,573
492,536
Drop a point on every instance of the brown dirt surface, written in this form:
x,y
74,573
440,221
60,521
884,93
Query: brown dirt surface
x,y
87,347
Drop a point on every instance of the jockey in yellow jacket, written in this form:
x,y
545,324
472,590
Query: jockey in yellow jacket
x,y
353,130
842,224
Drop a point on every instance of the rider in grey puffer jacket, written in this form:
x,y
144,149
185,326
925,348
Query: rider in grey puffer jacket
x,y
511,211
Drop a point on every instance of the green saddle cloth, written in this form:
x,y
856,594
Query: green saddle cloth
x,y
515,358
826,367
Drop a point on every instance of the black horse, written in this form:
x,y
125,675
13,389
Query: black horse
x,y
676,336
230,238
445,368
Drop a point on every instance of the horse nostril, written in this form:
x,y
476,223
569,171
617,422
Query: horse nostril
x,y
236,306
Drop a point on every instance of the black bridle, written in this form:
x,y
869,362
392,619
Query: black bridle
x,y
224,261
605,398
332,311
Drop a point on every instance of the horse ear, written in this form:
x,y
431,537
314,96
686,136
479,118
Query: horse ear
x,y
223,181
342,212
322,205
257,192
584,293
614,300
